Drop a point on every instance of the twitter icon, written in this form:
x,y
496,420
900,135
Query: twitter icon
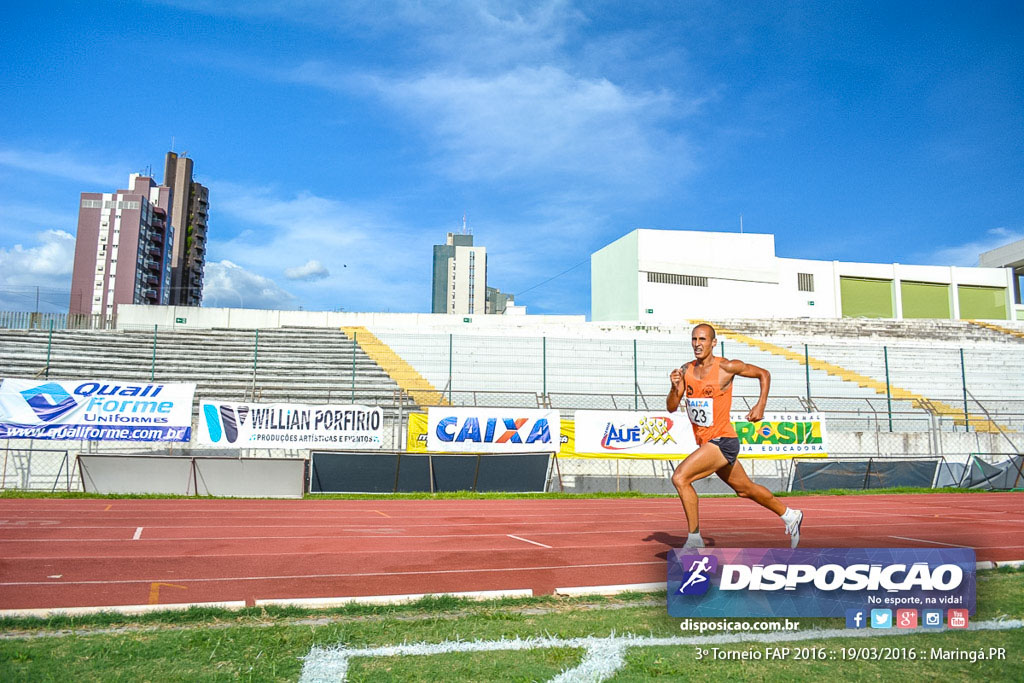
x,y
881,618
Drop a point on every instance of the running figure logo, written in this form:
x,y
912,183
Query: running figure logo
x,y
697,579
656,429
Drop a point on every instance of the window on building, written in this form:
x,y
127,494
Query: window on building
x,y
674,279
805,282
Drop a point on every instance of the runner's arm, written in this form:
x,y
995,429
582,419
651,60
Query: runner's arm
x,y
675,390
764,378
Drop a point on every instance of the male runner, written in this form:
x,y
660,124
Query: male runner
x,y
705,384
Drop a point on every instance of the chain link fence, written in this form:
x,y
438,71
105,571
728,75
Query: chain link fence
x,y
877,400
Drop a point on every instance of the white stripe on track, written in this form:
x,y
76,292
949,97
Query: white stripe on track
x,y
526,540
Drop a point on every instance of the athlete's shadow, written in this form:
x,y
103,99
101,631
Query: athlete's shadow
x,y
673,542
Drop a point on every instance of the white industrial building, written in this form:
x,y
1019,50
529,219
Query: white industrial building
x,y
664,276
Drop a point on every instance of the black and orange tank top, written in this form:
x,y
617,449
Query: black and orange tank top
x,y
708,405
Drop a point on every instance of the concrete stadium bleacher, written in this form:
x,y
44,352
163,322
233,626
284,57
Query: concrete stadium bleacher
x,y
625,366
933,359
288,365
574,365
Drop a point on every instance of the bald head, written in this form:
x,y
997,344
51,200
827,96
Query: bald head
x,y
707,328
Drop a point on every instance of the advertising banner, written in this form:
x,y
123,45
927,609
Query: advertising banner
x,y
781,435
288,425
619,433
95,410
416,436
873,583
492,430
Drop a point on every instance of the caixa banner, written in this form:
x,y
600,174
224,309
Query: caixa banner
x,y
817,582
493,430
95,410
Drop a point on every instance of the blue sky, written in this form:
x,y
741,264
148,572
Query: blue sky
x,y
340,140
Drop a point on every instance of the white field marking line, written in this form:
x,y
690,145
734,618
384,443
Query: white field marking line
x,y
925,540
526,540
138,534
331,664
485,570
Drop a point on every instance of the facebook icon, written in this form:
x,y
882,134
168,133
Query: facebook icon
x,y
856,618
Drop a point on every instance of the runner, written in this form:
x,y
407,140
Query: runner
x,y
706,384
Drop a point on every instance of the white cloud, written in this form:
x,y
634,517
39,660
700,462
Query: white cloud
x,y
967,254
49,264
492,31
369,259
541,121
228,285
311,270
63,165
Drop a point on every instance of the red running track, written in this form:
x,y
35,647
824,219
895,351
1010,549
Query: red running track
x,y
78,553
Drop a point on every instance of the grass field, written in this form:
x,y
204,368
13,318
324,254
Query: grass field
x,y
269,644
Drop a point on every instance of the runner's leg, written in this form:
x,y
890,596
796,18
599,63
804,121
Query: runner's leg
x,y
736,477
699,464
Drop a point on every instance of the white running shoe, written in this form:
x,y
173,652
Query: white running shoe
x,y
793,528
693,541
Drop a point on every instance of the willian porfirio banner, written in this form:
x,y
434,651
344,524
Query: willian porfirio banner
x,y
288,425
618,433
492,430
818,582
95,410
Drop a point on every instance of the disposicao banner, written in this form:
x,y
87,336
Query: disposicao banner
x,y
95,410
820,582
492,430
288,425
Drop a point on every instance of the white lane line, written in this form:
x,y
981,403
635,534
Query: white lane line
x,y
526,540
925,540
279,577
613,590
351,534
138,534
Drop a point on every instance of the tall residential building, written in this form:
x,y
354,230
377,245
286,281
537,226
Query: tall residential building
x,y
460,276
189,211
123,248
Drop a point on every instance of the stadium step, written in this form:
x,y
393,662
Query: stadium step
x,y
940,408
997,328
407,378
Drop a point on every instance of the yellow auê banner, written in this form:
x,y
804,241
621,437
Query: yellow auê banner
x,y
779,436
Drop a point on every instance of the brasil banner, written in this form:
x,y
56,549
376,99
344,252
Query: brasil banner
x,y
781,435
95,410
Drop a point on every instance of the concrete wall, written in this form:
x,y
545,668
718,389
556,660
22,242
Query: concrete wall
x,y
134,316
613,280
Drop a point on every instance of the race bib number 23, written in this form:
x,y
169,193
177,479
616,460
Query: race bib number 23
x,y
699,411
